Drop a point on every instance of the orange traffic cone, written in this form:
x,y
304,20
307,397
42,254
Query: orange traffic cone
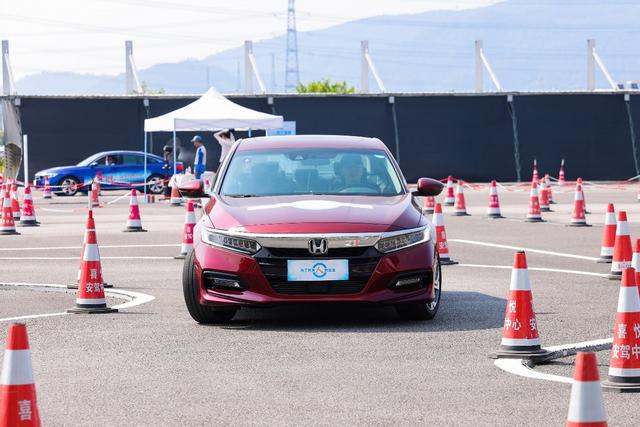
x,y
91,227
584,200
449,198
18,406
46,193
635,261
586,406
134,223
187,239
520,337
94,201
90,296
547,184
577,215
28,214
544,197
533,214
7,224
535,177
15,202
176,200
561,178
622,253
441,236
608,235
460,207
493,211
428,204
624,363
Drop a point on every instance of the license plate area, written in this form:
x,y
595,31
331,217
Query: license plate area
x,y
310,270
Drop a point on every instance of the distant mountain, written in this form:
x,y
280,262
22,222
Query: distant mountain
x,y
531,44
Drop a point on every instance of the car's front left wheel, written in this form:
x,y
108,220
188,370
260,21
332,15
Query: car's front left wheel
x,y
155,184
424,310
191,290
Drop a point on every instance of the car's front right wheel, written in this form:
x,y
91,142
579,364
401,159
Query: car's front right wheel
x,y
424,310
191,290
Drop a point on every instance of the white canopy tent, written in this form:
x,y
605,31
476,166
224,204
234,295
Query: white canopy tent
x,y
211,112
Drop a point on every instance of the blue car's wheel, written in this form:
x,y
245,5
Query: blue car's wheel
x,y
68,186
155,184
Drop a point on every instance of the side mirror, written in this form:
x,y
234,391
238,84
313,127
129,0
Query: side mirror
x,y
428,187
93,165
192,190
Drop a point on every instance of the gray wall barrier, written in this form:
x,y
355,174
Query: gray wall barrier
x,y
477,137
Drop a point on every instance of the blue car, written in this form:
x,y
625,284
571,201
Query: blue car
x,y
118,169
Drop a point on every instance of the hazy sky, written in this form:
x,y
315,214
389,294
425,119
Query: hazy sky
x,y
88,35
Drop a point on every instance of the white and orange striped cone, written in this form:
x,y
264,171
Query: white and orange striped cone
x,y
90,227
624,363
176,200
547,184
97,180
134,222
187,237
441,236
535,177
15,202
561,177
428,205
608,235
7,223
18,405
449,198
578,218
544,197
90,296
533,213
584,199
635,261
520,338
94,200
460,206
622,252
28,214
586,406
46,193
493,210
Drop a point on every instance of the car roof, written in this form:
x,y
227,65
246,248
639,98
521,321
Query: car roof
x,y
139,153
309,141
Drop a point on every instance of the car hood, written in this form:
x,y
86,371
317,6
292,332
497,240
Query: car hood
x,y
58,169
314,214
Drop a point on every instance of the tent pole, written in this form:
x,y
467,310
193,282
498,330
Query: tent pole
x,y
174,147
144,179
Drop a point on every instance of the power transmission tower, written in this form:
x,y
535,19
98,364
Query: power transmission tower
x,y
291,74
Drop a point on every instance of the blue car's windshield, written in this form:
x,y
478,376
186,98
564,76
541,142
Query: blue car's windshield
x,y
89,160
292,171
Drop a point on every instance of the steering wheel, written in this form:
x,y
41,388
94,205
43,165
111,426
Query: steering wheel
x,y
355,188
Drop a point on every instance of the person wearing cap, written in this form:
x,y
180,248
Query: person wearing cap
x,y
200,162
226,139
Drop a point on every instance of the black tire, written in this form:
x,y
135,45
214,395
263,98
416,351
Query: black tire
x,y
70,185
191,290
155,184
424,310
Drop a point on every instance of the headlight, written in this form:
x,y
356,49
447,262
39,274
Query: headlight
x,y
238,244
46,174
401,241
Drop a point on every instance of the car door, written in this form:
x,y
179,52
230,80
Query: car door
x,y
105,169
131,169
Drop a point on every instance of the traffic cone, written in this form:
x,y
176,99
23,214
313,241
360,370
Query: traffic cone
x,y
533,214
15,202
584,200
520,337
535,177
187,239
586,406
428,204
176,200
90,227
544,197
441,236
18,405
561,178
134,223
622,253
493,210
577,215
635,261
98,179
46,193
547,184
624,363
460,207
608,236
449,198
7,224
90,296
28,214
94,200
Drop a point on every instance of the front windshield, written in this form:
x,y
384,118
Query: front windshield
x,y
310,171
89,160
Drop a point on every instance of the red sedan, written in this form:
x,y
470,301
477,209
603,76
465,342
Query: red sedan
x,y
311,219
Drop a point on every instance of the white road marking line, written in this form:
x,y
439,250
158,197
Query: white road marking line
x,y
134,299
56,210
551,270
44,258
519,248
168,245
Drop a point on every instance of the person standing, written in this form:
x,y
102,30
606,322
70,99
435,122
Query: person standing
x,y
226,139
200,162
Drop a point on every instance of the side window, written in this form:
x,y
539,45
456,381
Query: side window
x,y
132,159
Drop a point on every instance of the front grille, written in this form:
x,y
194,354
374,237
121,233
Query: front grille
x,y
360,270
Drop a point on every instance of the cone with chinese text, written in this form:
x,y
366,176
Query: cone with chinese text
x,y
460,206
622,252
449,198
46,193
429,204
134,222
520,337
187,238
18,406
28,214
608,235
586,406
493,210
635,261
533,214
15,202
441,236
561,177
176,200
90,296
624,362
7,224
90,227
544,197
578,218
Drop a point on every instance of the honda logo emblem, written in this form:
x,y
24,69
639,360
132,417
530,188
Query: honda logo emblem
x,y
318,246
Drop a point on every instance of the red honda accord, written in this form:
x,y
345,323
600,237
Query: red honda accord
x,y
311,219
